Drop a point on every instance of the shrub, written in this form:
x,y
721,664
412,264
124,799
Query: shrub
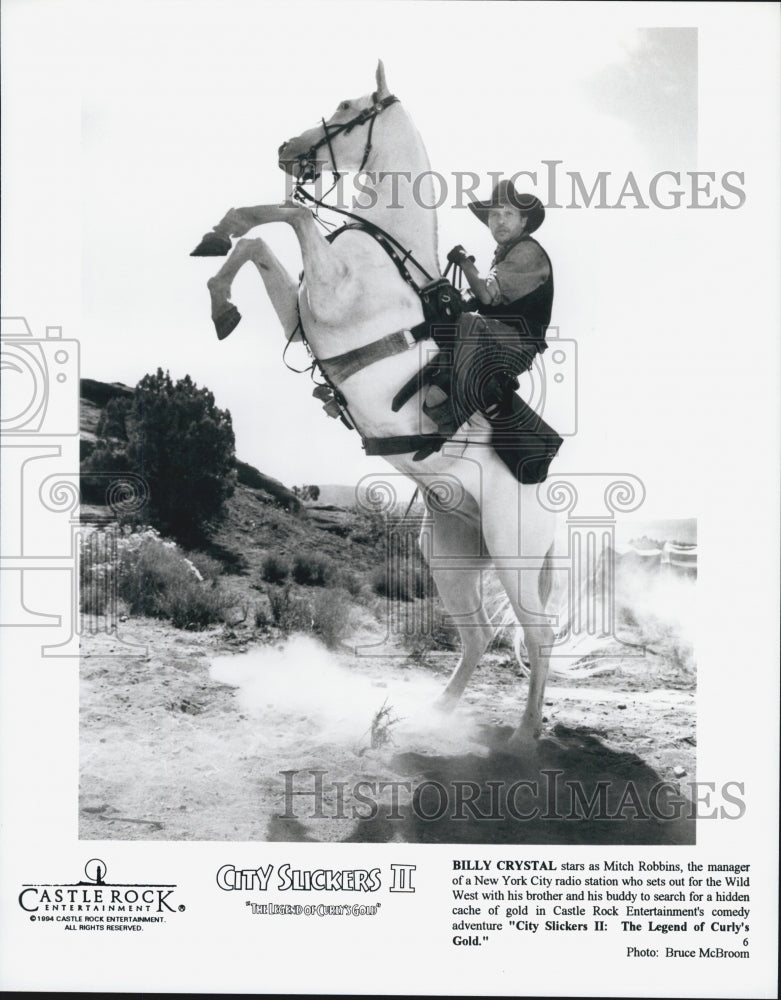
x,y
289,611
331,616
105,463
313,569
113,419
209,567
382,724
150,575
194,606
325,613
275,568
350,581
428,639
307,493
97,572
178,442
183,446
401,580
368,527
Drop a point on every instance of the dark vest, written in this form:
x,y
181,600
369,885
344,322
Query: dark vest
x,y
530,314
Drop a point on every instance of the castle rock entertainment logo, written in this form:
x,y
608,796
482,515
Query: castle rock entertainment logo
x,y
95,904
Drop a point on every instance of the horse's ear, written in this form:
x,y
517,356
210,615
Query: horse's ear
x,y
382,86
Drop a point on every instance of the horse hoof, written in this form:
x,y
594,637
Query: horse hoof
x,y
446,704
227,322
212,245
521,744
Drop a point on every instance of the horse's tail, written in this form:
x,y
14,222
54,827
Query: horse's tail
x,y
503,617
545,579
574,604
588,596
498,603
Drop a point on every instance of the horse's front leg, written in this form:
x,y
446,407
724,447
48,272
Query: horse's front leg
x,y
238,222
324,266
282,290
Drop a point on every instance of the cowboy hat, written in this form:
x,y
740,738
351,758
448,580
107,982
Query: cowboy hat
x,y
505,193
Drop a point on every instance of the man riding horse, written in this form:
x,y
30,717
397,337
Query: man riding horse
x,y
519,286
517,298
365,289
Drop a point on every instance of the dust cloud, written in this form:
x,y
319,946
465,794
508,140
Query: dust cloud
x,y
300,678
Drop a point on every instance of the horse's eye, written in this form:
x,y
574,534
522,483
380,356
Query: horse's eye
x,y
344,106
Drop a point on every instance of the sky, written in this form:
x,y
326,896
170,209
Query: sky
x,y
135,126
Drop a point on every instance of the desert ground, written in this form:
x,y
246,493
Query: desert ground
x,y
185,735
211,731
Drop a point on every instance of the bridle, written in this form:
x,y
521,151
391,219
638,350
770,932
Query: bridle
x,y
308,160
338,367
308,172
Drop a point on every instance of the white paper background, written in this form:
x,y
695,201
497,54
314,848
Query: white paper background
x,y
128,130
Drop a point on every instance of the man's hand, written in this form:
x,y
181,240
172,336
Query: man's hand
x,y
458,255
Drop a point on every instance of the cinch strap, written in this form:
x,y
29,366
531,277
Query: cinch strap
x,y
342,366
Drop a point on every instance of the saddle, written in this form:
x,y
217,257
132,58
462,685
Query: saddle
x,y
474,371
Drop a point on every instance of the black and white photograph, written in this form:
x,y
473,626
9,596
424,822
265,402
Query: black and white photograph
x,y
390,494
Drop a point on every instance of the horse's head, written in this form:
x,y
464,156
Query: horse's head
x,y
342,143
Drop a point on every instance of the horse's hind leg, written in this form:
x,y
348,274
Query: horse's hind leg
x,y
451,543
521,545
523,590
280,287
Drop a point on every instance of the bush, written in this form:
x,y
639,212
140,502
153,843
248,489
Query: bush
x,y
113,419
194,606
97,572
349,581
289,611
313,570
151,576
175,439
368,527
324,613
307,493
331,616
428,639
209,567
275,568
183,446
178,442
105,463
401,581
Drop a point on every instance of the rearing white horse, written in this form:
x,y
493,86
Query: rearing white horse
x,y
353,295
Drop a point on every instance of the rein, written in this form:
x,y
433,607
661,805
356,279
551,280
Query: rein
x,y
389,243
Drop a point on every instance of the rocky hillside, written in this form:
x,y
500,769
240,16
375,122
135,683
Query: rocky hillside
x,y
94,397
263,514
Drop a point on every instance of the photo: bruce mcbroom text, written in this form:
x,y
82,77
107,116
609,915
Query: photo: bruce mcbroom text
x,y
696,910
